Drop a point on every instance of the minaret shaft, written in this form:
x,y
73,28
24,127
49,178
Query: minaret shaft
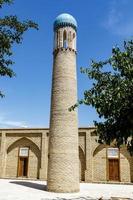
x,y
63,162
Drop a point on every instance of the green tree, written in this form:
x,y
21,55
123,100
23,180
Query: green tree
x,y
11,32
112,96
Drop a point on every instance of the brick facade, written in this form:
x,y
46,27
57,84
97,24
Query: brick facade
x,y
93,161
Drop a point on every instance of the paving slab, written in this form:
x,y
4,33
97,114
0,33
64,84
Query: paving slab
x,y
37,190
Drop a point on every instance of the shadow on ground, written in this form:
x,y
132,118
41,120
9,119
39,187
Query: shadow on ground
x,y
44,188
38,186
30,185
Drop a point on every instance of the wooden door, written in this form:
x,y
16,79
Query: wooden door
x,y
23,166
114,169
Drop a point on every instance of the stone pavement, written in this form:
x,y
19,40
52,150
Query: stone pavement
x,y
36,190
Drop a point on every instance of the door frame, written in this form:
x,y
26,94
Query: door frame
x,y
107,164
19,161
117,169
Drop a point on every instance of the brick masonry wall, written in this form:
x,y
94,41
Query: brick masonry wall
x,y
82,155
14,136
13,141
13,157
63,165
12,163
97,165
126,166
0,141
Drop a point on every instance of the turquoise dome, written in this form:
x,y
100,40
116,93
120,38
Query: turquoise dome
x,y
65,20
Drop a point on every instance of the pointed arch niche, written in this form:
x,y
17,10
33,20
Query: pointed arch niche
x,y
65,40
12,161
82,164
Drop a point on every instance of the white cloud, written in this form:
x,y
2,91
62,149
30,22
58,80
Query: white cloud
x,y
5,123
118,21
113,19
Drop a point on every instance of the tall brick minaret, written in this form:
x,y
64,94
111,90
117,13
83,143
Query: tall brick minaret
x,y
63,161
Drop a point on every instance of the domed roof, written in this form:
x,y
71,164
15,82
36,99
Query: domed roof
x,y
65,20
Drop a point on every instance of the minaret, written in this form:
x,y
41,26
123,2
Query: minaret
x,y
63,159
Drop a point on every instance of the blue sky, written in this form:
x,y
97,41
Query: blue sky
x,y
101,25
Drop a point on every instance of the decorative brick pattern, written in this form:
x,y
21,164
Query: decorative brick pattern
x,y
93,165
63,162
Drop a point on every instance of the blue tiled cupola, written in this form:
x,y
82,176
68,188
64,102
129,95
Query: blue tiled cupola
x,y
65,20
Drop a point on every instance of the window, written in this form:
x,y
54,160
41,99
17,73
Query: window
x,y
24,151
113,153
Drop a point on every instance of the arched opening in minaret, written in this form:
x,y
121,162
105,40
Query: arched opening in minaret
x,y
65,42
74,41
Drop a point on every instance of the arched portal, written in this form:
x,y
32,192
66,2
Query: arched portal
x,y
118,164
13,158
82,164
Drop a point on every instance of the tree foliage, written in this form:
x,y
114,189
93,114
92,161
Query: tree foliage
x,y
11,32
112,96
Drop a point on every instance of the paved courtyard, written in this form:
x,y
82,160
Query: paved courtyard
x,y
36,190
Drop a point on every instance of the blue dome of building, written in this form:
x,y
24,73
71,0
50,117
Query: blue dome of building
x,y
65,20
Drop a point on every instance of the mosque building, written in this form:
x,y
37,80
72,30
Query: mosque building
x,y
38,153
